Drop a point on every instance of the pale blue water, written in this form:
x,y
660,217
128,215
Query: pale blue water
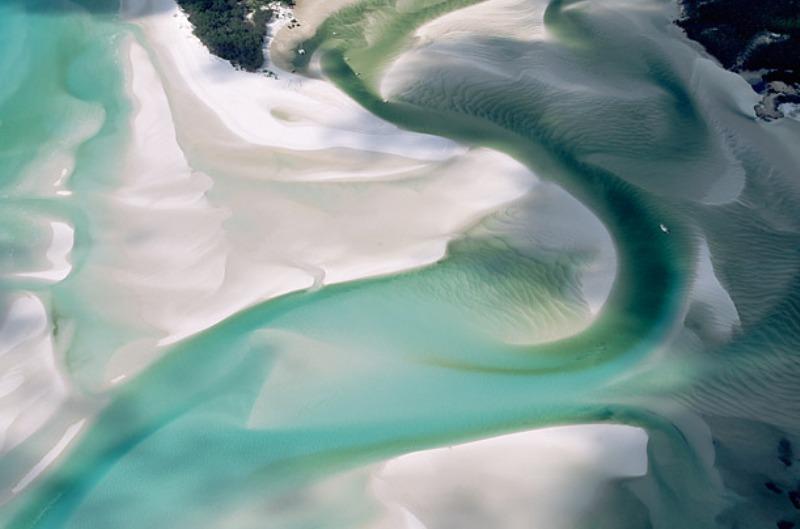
x,y
616,110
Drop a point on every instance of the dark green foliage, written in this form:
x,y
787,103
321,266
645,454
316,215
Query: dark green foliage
x,y
232,29
747,35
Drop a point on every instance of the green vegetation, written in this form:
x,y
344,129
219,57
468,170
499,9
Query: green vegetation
x,y
232,29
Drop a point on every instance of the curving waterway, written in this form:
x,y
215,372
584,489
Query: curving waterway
x,y
452,223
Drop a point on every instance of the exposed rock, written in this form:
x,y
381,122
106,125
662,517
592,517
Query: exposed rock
x,y
794,497
785,452
760,42
773,487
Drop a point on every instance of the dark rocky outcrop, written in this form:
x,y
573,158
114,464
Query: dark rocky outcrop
x,y
759,40
785,452
774,487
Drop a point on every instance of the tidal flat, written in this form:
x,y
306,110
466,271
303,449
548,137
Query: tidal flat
x,y
435,264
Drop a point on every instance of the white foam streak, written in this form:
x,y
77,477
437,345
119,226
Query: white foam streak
x,y
49,458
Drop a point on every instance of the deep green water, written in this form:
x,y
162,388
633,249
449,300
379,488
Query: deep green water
x,y
614,109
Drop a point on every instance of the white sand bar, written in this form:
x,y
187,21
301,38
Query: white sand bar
x,y
540,478
551,477
237,188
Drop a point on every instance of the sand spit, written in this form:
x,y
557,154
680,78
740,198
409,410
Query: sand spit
x,y
539,478
57,255
309,14
31,388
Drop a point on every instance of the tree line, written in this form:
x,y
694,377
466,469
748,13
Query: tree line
x,y
232,29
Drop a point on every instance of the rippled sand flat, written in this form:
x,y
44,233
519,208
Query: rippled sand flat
x,y
475,264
